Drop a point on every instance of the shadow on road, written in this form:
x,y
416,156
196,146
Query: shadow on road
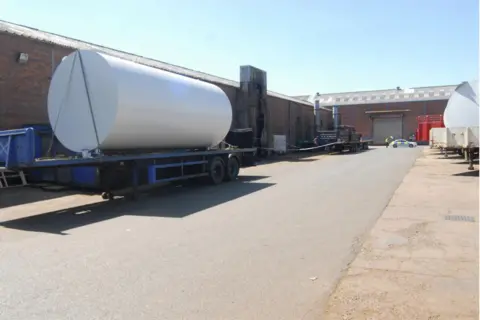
x,y
472,173
450,157
171,202
301,159
465,162
346,153
291,157
22,195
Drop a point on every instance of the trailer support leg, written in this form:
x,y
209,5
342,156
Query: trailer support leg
x,y
106,178
470,159
134,168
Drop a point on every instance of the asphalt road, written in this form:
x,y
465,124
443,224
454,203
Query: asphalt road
x,y
270,246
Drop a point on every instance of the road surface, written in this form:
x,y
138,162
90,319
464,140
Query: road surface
x,y
270,246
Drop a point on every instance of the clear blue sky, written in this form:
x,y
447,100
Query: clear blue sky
x,y
305,46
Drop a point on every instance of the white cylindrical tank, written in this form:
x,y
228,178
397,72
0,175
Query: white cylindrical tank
x,y
99,101
462,108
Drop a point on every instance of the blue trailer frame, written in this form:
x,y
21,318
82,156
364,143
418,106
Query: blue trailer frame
x,y
19,150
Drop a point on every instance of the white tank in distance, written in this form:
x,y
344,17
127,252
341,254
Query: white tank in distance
x,y
462,108
99,101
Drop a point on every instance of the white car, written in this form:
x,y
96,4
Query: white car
x,y
402,143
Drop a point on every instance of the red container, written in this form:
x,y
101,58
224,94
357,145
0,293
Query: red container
x,y
427,122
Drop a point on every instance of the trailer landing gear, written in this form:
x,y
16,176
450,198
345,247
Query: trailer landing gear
x,y
471,157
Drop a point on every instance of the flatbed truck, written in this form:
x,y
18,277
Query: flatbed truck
x,y
342,138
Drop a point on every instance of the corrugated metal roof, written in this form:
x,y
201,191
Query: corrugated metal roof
x,y
384,96
304,98
63,41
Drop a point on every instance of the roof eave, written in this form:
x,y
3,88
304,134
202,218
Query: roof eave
x,y
75,44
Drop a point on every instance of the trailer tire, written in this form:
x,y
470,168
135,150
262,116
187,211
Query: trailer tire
x,y
233,169
107,196
216,171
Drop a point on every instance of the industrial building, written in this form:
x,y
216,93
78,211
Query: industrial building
x,y
382,113
28,58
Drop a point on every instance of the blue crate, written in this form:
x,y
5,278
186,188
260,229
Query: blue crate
x,y
18,147
85,177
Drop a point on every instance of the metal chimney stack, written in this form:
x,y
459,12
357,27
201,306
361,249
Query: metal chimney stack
x,y
317,115
336,117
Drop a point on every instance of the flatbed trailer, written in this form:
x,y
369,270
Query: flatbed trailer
x,y
341,139
127,173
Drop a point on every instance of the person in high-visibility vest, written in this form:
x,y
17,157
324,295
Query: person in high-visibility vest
x,y
388,140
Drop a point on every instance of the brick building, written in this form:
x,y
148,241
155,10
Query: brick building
x,y
24,83
381,113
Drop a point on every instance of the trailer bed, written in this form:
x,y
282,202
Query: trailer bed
x,y
21,150
105,159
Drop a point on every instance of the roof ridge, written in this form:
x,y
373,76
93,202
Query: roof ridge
x,y
386,90
105,47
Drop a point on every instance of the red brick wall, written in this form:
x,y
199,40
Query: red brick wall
x,y
356,116
24,87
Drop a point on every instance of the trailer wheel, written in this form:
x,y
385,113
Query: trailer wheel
x,y
107,196
233,169
216,171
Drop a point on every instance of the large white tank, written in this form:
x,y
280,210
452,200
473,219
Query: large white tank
x,y
462,108
99,101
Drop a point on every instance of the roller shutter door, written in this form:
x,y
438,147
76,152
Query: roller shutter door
x,y
385,127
